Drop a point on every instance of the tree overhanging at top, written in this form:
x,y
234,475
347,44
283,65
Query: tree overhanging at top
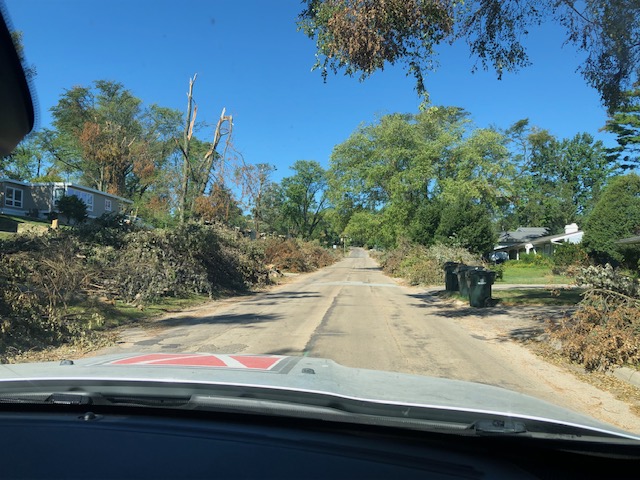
x,y
360,36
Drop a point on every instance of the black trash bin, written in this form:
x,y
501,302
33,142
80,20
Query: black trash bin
x,y
480,282
450,277
463,280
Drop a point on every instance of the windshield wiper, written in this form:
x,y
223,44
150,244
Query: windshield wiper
x,y
47,399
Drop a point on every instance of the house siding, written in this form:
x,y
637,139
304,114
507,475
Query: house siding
x,y
100,201
42,198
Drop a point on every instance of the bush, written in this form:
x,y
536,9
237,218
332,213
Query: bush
x,y
570,254
532,259
73,208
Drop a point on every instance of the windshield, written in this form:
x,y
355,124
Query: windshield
x,y
444,189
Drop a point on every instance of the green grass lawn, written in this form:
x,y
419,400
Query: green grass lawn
x,y
532,274
123,313
529,296
538,296
9,224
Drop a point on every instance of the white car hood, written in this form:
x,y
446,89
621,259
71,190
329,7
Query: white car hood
x,y
293,374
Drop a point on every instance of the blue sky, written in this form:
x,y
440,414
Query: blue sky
x,y
250,58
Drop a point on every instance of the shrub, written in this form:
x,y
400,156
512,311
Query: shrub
x,y
533,259
570,254
73,208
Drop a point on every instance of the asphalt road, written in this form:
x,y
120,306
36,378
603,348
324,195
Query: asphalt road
x,y
349,312
352,313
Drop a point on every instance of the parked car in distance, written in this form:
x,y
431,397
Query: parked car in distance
x,y
498,257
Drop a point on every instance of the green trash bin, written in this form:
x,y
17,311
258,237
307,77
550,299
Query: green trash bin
x,y
463,280
450,277
480,282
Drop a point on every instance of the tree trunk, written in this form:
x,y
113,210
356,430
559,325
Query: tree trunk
x,y
209,158
188,133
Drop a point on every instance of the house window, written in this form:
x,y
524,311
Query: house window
x,y
13,197
107,205
58,193
86,197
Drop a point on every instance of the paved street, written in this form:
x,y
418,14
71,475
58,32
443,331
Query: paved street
x,y
354,314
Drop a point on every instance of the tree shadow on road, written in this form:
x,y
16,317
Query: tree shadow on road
x,y
221,319
427,299
279,297
285,351
518,323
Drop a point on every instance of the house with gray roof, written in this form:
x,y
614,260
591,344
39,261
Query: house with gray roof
x,y
39,199
535,240
513,241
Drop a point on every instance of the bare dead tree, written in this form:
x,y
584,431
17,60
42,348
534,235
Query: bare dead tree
x,y
186,141
254,180
196,173
223,128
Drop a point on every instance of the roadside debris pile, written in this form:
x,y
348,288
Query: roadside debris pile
x,y
605,330
52,285
421,265
296,256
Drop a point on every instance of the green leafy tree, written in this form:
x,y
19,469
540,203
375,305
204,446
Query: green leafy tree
x,y
99,128
616,215
584,168
105,137
305,197
402,162
27,161
254,181
625,124
364,229
393,165
425,222
555,182
272,210
363,36
466,223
